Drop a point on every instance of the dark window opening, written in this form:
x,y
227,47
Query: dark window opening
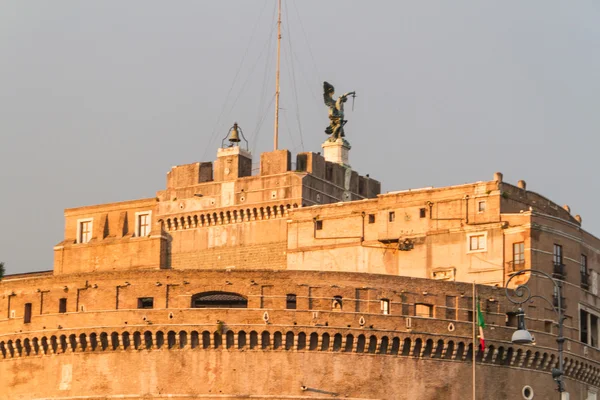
x,y
450,307
593,330
62,305
27,317
146,302
559,271
391,216
422,213
511,319
371,218
583,326
219,300
405,309
336,304
583,268
290,302
318,225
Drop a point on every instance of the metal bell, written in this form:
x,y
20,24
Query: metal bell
x,y
234,136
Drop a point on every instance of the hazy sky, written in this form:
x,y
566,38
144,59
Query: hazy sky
x,y
98,99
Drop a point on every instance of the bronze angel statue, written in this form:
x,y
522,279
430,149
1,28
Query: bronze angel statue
x,y
336,111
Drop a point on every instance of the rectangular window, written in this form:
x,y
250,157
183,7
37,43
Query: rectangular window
x,y
583,326
62,305
146,302
481,207
518,256
477,242
371,218
422,213
84,229
451,307
27,317
583,267
593,330
424,310
511,319
385,306
469,308
290,302
405,309
558,254
143,225
318,225
391,216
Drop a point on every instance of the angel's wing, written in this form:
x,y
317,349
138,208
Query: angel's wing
x,y
328,94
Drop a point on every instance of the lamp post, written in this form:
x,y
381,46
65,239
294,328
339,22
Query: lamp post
x,y
522,294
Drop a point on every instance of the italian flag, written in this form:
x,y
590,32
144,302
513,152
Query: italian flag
x,y
481,323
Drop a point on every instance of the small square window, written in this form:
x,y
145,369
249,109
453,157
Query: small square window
x,y
290,302
422,213
318,225
146,302
392,216
371,218
481,206
477,242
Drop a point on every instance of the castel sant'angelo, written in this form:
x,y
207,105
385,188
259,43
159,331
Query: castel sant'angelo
x,y
301,283
301,280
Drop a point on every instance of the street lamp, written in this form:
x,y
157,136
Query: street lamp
x,y
522,294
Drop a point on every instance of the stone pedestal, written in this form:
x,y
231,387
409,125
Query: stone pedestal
x,y
337,151
232,163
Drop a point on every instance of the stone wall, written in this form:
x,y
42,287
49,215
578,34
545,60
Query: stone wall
x,y
319,349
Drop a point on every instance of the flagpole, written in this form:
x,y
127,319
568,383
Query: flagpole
x,y
474,337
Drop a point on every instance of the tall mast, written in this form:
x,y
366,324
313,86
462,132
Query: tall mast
x,y
276,130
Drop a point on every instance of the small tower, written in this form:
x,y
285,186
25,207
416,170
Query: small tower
x,y
232,161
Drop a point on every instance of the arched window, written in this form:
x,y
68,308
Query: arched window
x,y
336,303
219,300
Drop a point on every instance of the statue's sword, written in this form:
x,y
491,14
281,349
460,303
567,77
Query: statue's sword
x,y
353,96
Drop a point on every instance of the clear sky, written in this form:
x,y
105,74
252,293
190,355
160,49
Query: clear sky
x,y
98,99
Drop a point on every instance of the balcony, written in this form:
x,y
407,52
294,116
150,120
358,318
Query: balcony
x,y
559,271
517,265
585,280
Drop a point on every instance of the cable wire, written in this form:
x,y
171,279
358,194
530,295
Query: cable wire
x,y
214,130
